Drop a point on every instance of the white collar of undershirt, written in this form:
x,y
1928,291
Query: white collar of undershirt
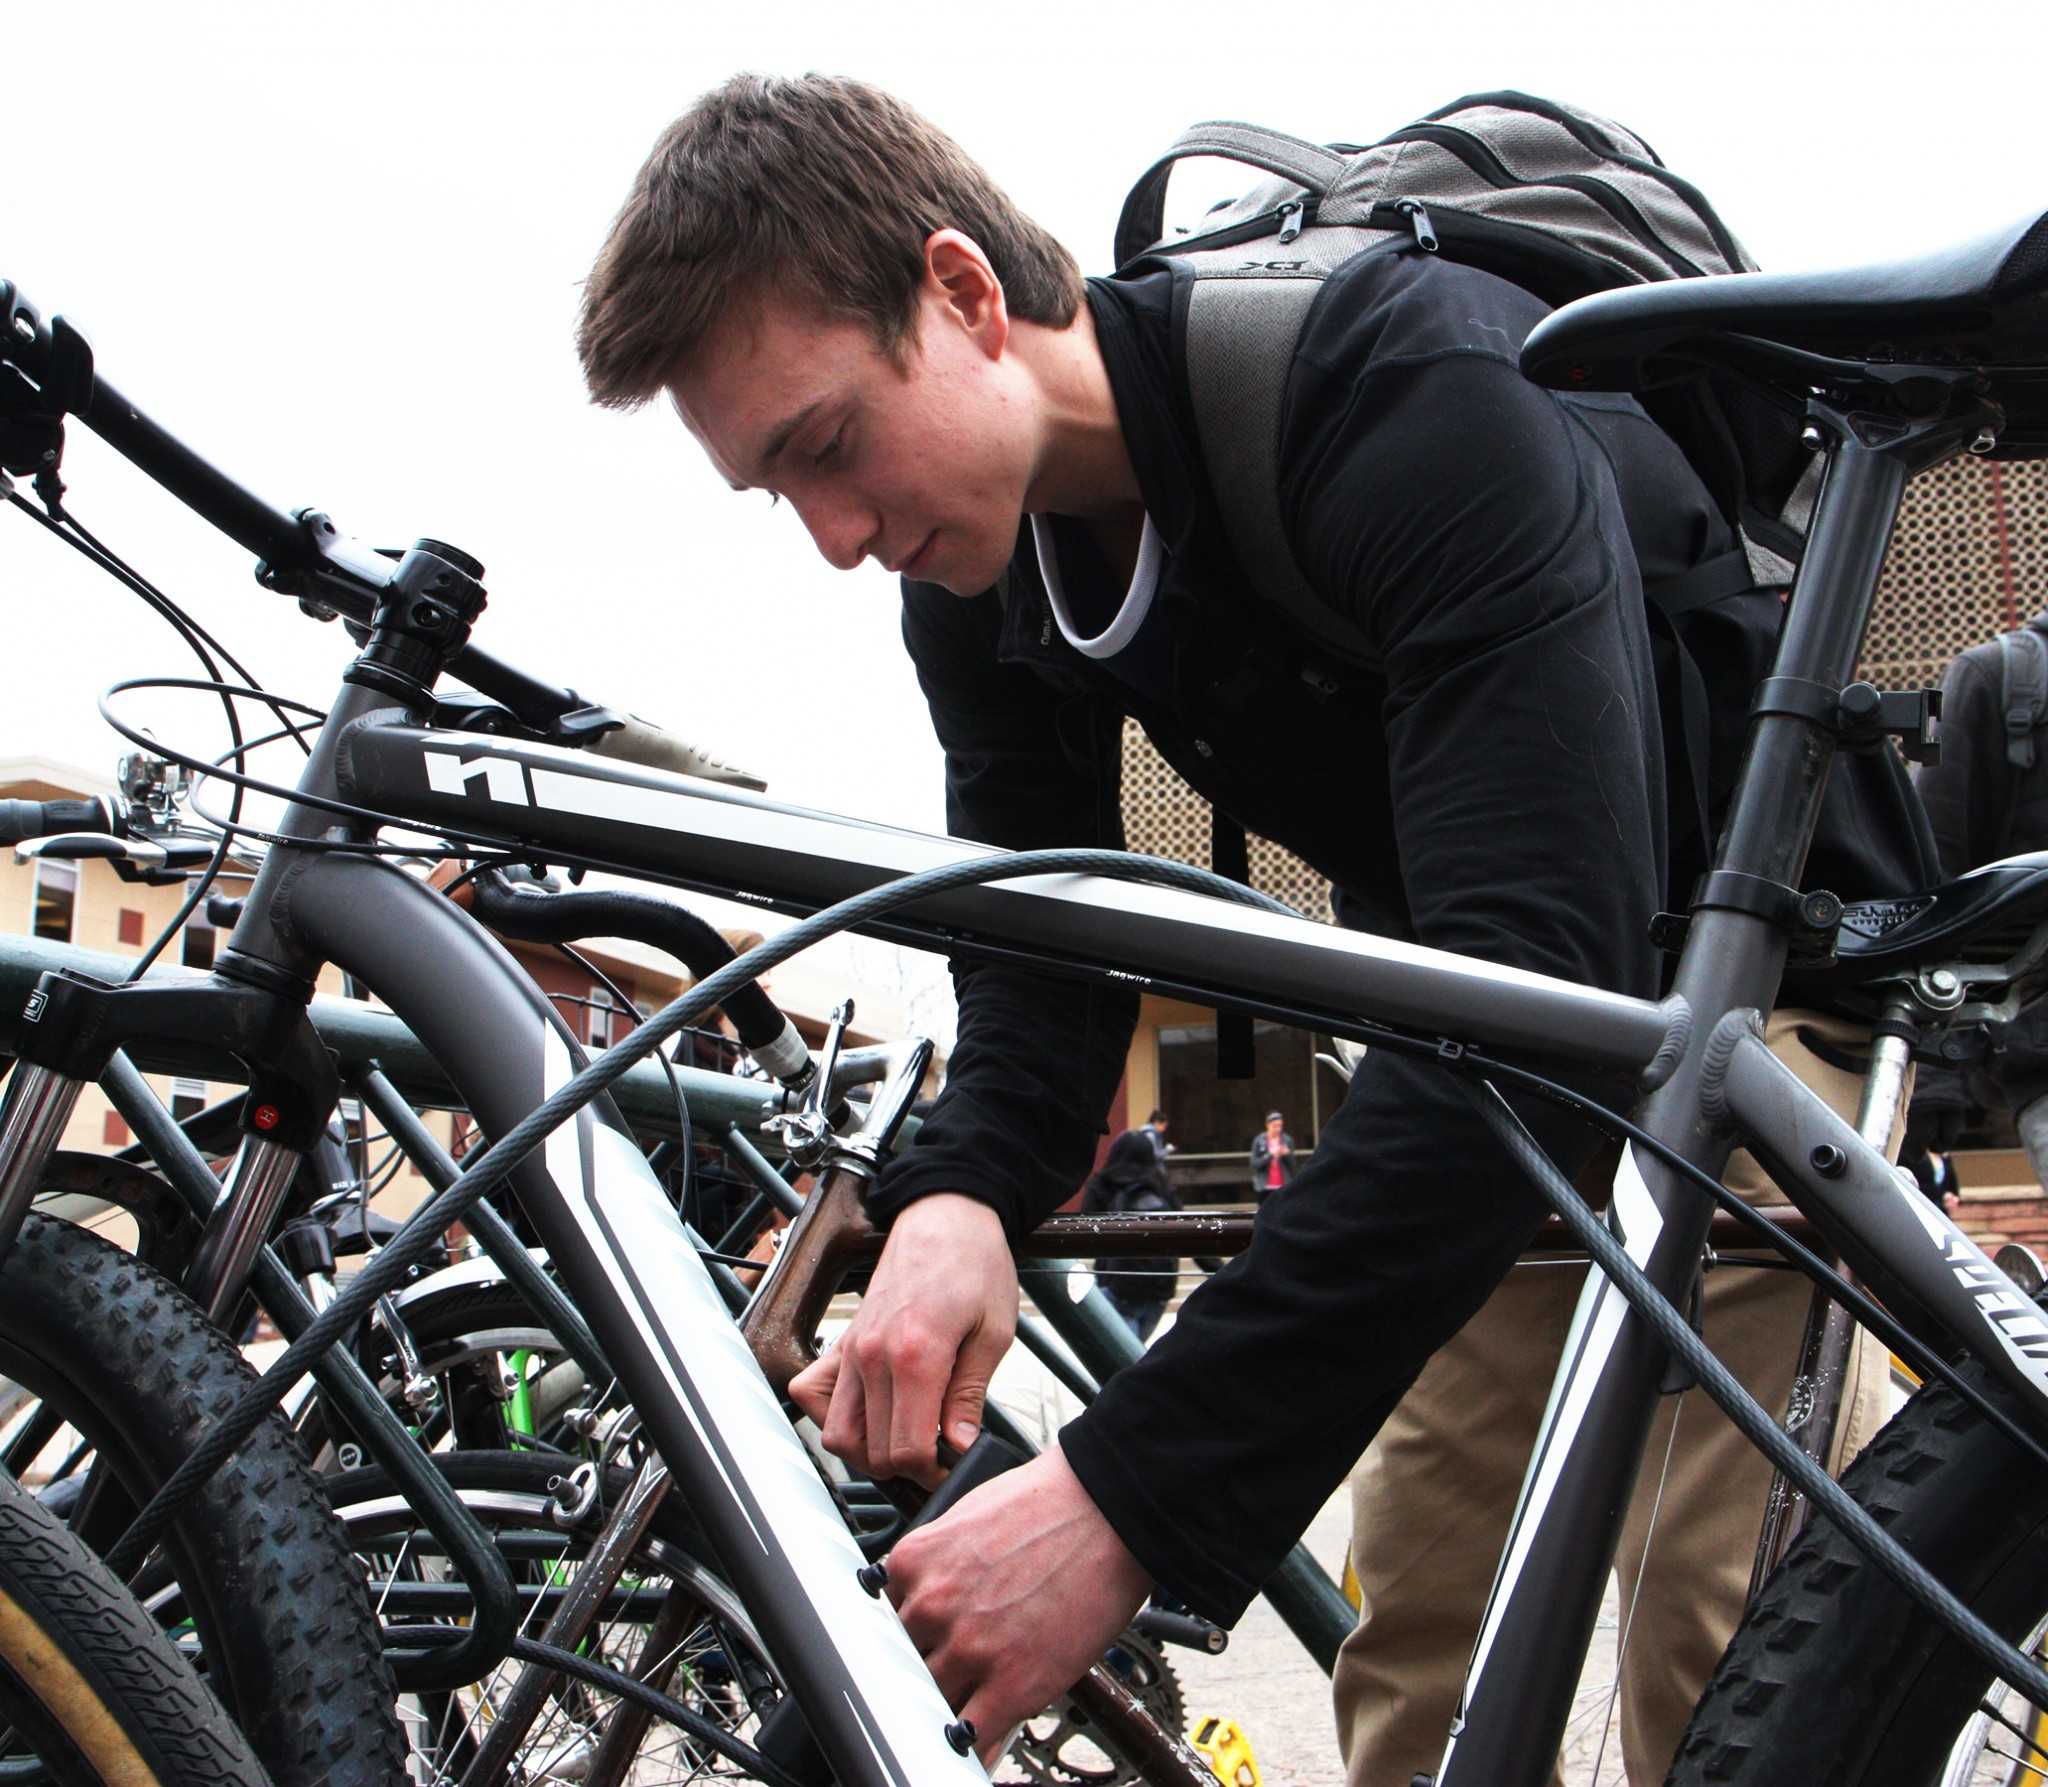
x,y
1137,599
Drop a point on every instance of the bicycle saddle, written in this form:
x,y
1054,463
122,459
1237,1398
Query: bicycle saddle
x,y
1981,303
1987,917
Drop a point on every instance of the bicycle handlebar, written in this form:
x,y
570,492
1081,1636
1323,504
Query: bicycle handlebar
x,y
47,373
544,917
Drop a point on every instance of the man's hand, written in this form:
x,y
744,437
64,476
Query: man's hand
x,y
1014,1593
938,1316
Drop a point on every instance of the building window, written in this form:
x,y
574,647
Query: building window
x,y
56,899
1219,1117
200,938
602,1015
129,927
188,1098
113,1132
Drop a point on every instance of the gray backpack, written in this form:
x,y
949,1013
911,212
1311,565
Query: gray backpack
x,y
1557,201
2023,687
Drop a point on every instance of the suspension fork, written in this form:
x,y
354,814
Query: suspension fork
x,y
34,1108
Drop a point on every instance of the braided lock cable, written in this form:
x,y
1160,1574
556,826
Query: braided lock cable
x,y
424,1227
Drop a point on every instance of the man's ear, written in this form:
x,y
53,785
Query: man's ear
x,y
959,276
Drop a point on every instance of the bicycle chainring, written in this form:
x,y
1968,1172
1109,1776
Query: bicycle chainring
x,y
1062,1748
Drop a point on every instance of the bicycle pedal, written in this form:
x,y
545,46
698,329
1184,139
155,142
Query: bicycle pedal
x,y
1222,1744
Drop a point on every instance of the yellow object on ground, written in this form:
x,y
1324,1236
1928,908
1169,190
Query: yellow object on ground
x,y
1222,1744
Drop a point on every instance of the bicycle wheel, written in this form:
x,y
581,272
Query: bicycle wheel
x,y
91,1690
255,1575
1837,1679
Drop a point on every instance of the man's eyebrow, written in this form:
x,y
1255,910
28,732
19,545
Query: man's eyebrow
x,y
780,436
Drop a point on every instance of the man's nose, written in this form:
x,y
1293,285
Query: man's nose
x,y
841,531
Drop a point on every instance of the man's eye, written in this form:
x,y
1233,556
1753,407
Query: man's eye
x,y
829,451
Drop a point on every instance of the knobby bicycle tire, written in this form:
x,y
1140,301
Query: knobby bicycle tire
x,y
1836,1678
89,1686
284,1626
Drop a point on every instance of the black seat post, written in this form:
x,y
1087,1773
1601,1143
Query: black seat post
x,y
1732,957
1776,803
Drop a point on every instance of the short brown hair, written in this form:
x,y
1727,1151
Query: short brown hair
x,y
826,185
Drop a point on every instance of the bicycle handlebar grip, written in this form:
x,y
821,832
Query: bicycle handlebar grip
x,y
22,819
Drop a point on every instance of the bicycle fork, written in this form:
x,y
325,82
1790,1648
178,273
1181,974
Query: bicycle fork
x,y
34,1108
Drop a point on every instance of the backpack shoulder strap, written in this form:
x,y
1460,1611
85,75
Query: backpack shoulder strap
x,y
1241,335
2023,680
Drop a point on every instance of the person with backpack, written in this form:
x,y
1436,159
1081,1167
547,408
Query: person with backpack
x,y
1155,1132
1987,798
1132,1182
1437,586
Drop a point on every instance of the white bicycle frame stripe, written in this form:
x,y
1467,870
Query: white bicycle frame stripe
x,y
1595,1325
671,1299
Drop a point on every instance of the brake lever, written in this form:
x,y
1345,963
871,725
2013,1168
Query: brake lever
x,y
139,860
806,1132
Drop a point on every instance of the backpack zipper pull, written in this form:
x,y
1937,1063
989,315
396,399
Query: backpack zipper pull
x,y
1425,234
1290,220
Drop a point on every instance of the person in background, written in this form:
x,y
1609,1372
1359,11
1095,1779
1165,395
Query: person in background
x,y
1987,798
1272,1157
1132,1182
1933,1172
1155,1126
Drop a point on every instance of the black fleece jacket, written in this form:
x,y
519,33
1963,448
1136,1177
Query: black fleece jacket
x,y
1493,783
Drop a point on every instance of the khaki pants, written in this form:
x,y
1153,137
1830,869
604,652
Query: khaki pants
x,y
1433,1498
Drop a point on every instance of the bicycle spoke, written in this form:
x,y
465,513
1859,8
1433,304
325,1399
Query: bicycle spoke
x,y
1628,1617
2016,1761
391,1573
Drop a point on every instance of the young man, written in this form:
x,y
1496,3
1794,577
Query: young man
x,y
847,313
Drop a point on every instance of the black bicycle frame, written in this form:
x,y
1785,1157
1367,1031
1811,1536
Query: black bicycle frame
x,y
439,973
628,1265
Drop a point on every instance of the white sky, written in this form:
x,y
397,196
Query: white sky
x,y
338,250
